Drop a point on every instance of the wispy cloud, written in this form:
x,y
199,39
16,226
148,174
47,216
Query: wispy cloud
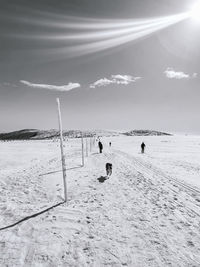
x,y
172,74
115,79
8,84
101,82
62,88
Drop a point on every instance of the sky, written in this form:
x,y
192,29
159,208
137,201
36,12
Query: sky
x,y
119,65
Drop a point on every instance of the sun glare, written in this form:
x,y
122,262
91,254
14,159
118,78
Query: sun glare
x,y
195,12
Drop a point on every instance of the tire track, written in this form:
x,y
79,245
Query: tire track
x,y
151,170
189,229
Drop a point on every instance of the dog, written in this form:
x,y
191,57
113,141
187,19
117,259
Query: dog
x,y
108,169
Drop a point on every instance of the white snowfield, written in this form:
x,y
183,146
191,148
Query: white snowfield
x,y
146,214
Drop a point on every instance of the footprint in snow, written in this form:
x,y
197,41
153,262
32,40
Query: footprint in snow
x,y
190,243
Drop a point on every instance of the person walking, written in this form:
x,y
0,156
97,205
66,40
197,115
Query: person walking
x,y
110,144
100,147
108,169
142,147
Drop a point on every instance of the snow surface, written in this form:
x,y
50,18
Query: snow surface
x,y
146,214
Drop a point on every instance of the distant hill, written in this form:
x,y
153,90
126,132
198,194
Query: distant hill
x,y
19,135
34,134
145,133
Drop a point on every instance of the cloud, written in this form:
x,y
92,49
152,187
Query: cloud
x,y
8,84
61,88
101,82
115,79
172,74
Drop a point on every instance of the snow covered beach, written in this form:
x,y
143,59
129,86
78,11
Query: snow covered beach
x,y
146,214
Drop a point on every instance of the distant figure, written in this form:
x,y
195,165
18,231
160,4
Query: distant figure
x,y
108,169
142,147
100,146
109,143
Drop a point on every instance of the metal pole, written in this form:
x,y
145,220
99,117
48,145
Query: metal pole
x,y
62,151
82,144
90,144
93,141
86,140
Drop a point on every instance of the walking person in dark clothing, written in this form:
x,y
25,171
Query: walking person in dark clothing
x,y
100,147
108,169
109,143
142,147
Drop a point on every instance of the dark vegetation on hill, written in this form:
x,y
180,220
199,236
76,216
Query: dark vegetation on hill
x,y
145,133
19,135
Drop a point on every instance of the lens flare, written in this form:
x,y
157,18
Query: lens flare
x,y
71,37
195,12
